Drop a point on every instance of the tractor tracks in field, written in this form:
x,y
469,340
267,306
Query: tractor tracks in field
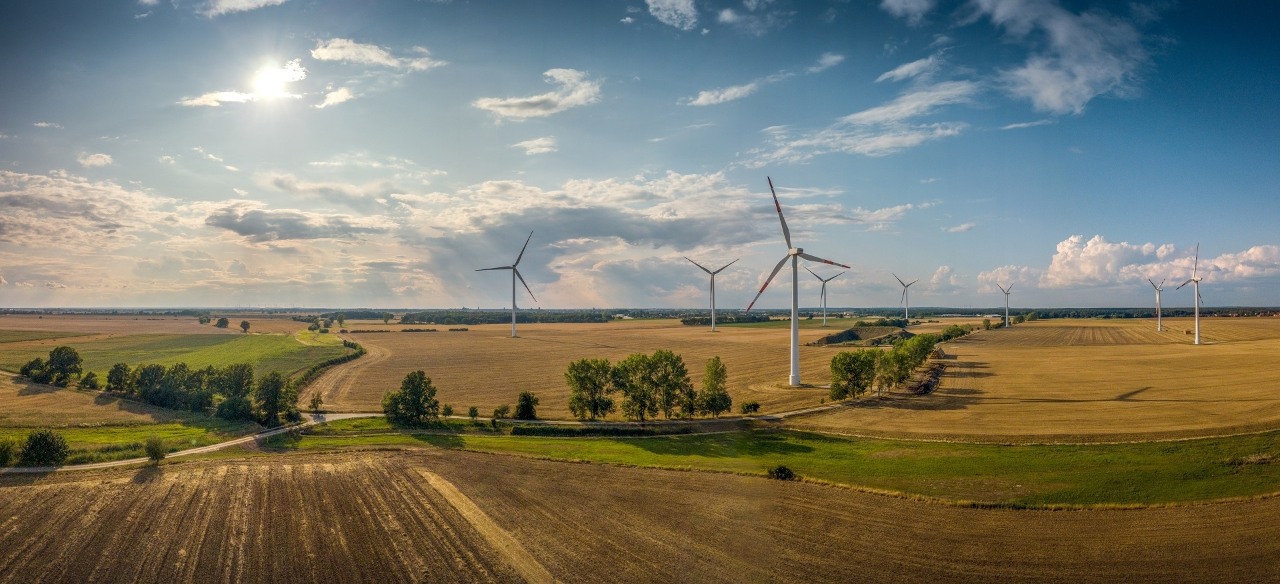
x,y
335,384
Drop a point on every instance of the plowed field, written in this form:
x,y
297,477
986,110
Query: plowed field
x,y
376,517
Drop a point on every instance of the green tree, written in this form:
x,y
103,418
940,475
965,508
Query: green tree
x,y
386,317
244,326
6,452
271,396
36,370
526,406
118,378
44,448
714,398
446,410
415,402
986,324
222,322
473,413
235,383
852,372
89,381
751,407
64,362
155,449
317,402
147,380
501,412
204,319
675,392
633,377
590,385
342,319
891,370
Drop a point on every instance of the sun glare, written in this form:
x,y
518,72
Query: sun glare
x,y
273,81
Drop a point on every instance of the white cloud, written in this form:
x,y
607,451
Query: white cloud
x,y
680,14
961,228
574,90
221,7
1097,261
736,92
922,67
1021,125
1008,276
65,211
826,61
912,10
916,103
335,97
627,20
1084,56
349,51
94,160
755,20
217,98
256,224
544,145
53,125
945,280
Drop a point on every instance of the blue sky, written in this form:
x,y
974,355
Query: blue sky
x,y
298,153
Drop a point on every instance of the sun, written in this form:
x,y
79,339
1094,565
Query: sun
x,y
273,81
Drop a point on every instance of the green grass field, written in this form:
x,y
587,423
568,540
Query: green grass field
x,y
119,442
287,354
1019,475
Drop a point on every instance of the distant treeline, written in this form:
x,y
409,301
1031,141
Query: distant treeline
x,y
449,317
723,319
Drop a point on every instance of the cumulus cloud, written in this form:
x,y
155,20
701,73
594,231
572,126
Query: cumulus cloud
x,y
1007,276
94,160
221,7
335,97
1084,55
680,14
945,280
257,224
918,68
912,10
217,98
755,18
363,197
574,90
64,211
349,51
544,145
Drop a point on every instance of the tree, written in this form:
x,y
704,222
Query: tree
x,y
415,402
44,448
204,319
235,383
6,452
590,385
64,362
473,413
671,380
986,324
852,372
386,317
890,371
244,325
222,322
270,397
155,449
342,319
526,406
36,371
317,402
714,398
751,407
633,377
118,378
90,381
147,380
446,410
502,411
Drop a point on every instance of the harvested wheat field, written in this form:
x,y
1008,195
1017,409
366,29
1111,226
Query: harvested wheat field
x,y
485,367
1088,380
432,515
26,404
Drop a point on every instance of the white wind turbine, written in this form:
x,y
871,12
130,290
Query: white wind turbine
x,y
515,273
794,254
823,295
713,287
1159,289
1195,279
1006,302
906,298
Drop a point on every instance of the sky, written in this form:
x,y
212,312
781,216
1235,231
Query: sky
x,y
286,153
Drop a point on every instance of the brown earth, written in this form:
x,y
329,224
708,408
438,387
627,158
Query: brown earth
x,y
375,516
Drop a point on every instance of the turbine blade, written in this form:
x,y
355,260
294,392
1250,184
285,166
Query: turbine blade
x,y
722,268
913,282
904,296
1153,284
776,269
786,233
806,268
1182,284
833,277
1002,288
699,265
814,258
497,268
1161,284
526,286
895,277
526,244
1196,265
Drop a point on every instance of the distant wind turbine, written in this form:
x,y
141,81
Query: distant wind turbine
x,y
823,295
906,298
1006,302
793,254
515,273
713,287
1195,279
1159,289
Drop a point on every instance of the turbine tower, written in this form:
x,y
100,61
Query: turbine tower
x,y
713,287
1159,289
906,298
515,273
793,254
1006,302
1195,279
823,295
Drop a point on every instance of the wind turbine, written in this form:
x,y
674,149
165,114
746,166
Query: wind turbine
x,y
1159,289
1196,281
906,299
1006,302
515,273
823,295
794,254
713,287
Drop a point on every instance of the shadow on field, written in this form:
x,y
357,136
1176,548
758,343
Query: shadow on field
x,y
26,388
440,440
147,474
720,445
965,369
951,399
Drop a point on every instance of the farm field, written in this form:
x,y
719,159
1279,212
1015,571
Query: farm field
x,y
1087,380
430,514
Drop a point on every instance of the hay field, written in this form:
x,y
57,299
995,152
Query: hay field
x,y
28,405
1088,380
485,367
403,516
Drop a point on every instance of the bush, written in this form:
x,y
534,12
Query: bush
x,y
90,381
501,412
527,406
446,410
6,452
154,447
44,448
751,407
782,473
473,412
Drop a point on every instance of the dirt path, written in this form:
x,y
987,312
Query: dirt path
x,y
336,385
519,557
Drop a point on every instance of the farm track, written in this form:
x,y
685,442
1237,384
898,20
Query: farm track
x,y
338,384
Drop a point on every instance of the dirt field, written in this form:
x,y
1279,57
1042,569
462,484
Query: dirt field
x,y
1089,380
485,367
436,515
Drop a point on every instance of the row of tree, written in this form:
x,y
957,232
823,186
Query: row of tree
x,y
649,384
63,364
232,390
855,372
